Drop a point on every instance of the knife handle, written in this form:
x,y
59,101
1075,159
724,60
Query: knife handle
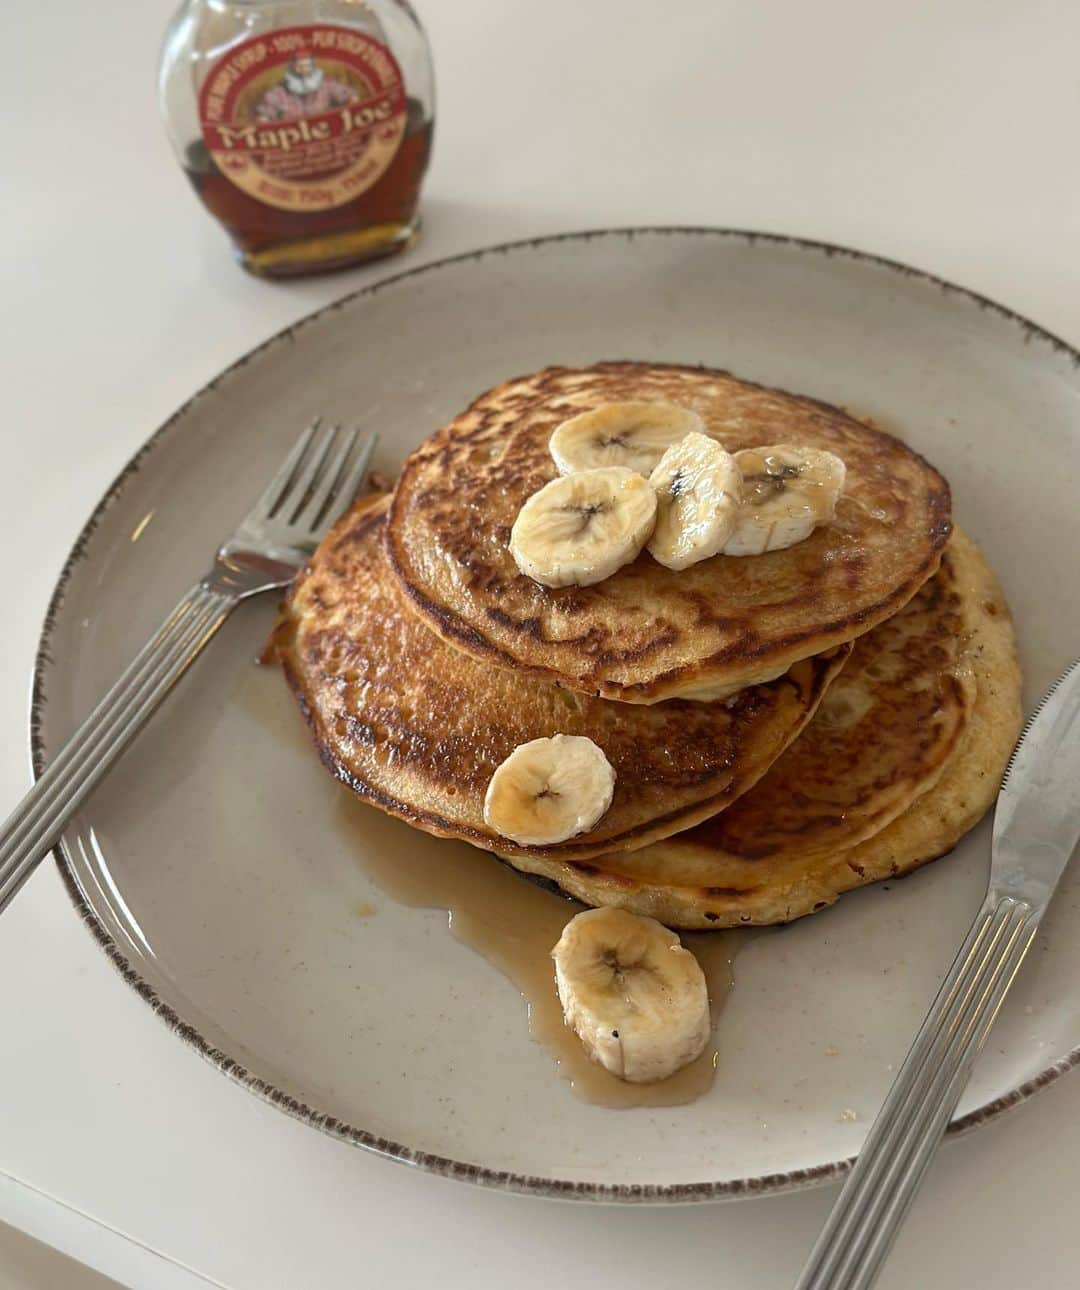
x,y
876,1197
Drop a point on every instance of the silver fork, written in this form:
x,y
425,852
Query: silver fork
x,y
315,483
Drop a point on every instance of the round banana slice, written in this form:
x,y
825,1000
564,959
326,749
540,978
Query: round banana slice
x,y
549,790
786,492
579,529
634,435
635,997
697,487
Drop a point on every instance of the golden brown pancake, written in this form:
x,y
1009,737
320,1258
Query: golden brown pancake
x,y
684,882
417,728
881,736
647,634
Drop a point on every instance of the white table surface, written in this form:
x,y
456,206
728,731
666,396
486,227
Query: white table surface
x,y
942,134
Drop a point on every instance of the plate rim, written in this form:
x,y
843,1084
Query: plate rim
x,y
481,1175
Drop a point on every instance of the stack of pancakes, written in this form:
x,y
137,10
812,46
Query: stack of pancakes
x,y
783,727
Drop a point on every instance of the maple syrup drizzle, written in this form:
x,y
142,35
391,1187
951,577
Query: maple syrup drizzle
x,y
495,911
514,924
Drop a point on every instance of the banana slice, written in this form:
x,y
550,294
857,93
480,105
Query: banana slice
x,y
634,435
786,492
579,529
697,487
634,996
548,790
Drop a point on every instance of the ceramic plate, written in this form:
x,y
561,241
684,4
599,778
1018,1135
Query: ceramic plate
x,y
214,866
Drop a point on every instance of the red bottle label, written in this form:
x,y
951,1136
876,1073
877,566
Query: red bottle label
x,y
304,118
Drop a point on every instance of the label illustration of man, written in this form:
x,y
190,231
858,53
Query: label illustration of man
x,y
305,91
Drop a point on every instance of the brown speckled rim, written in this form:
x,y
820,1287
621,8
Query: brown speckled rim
x,y
466,1172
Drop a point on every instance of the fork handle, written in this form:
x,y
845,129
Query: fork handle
x,y
39,819
902,1140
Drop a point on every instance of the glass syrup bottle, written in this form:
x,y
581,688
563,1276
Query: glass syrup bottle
x,y
304,126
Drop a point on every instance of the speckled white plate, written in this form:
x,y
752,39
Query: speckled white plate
x,y
211,865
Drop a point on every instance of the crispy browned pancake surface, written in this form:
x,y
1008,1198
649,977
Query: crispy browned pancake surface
x,y
949,769
417,727
646,633
881,736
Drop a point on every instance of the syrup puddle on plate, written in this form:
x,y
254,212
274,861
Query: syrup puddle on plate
x,y
495,911
514,924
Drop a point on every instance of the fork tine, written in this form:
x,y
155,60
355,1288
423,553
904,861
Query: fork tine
x,y
327,485
310,474
275,491
350,484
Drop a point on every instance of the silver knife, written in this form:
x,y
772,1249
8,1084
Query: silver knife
x,y
1036,828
